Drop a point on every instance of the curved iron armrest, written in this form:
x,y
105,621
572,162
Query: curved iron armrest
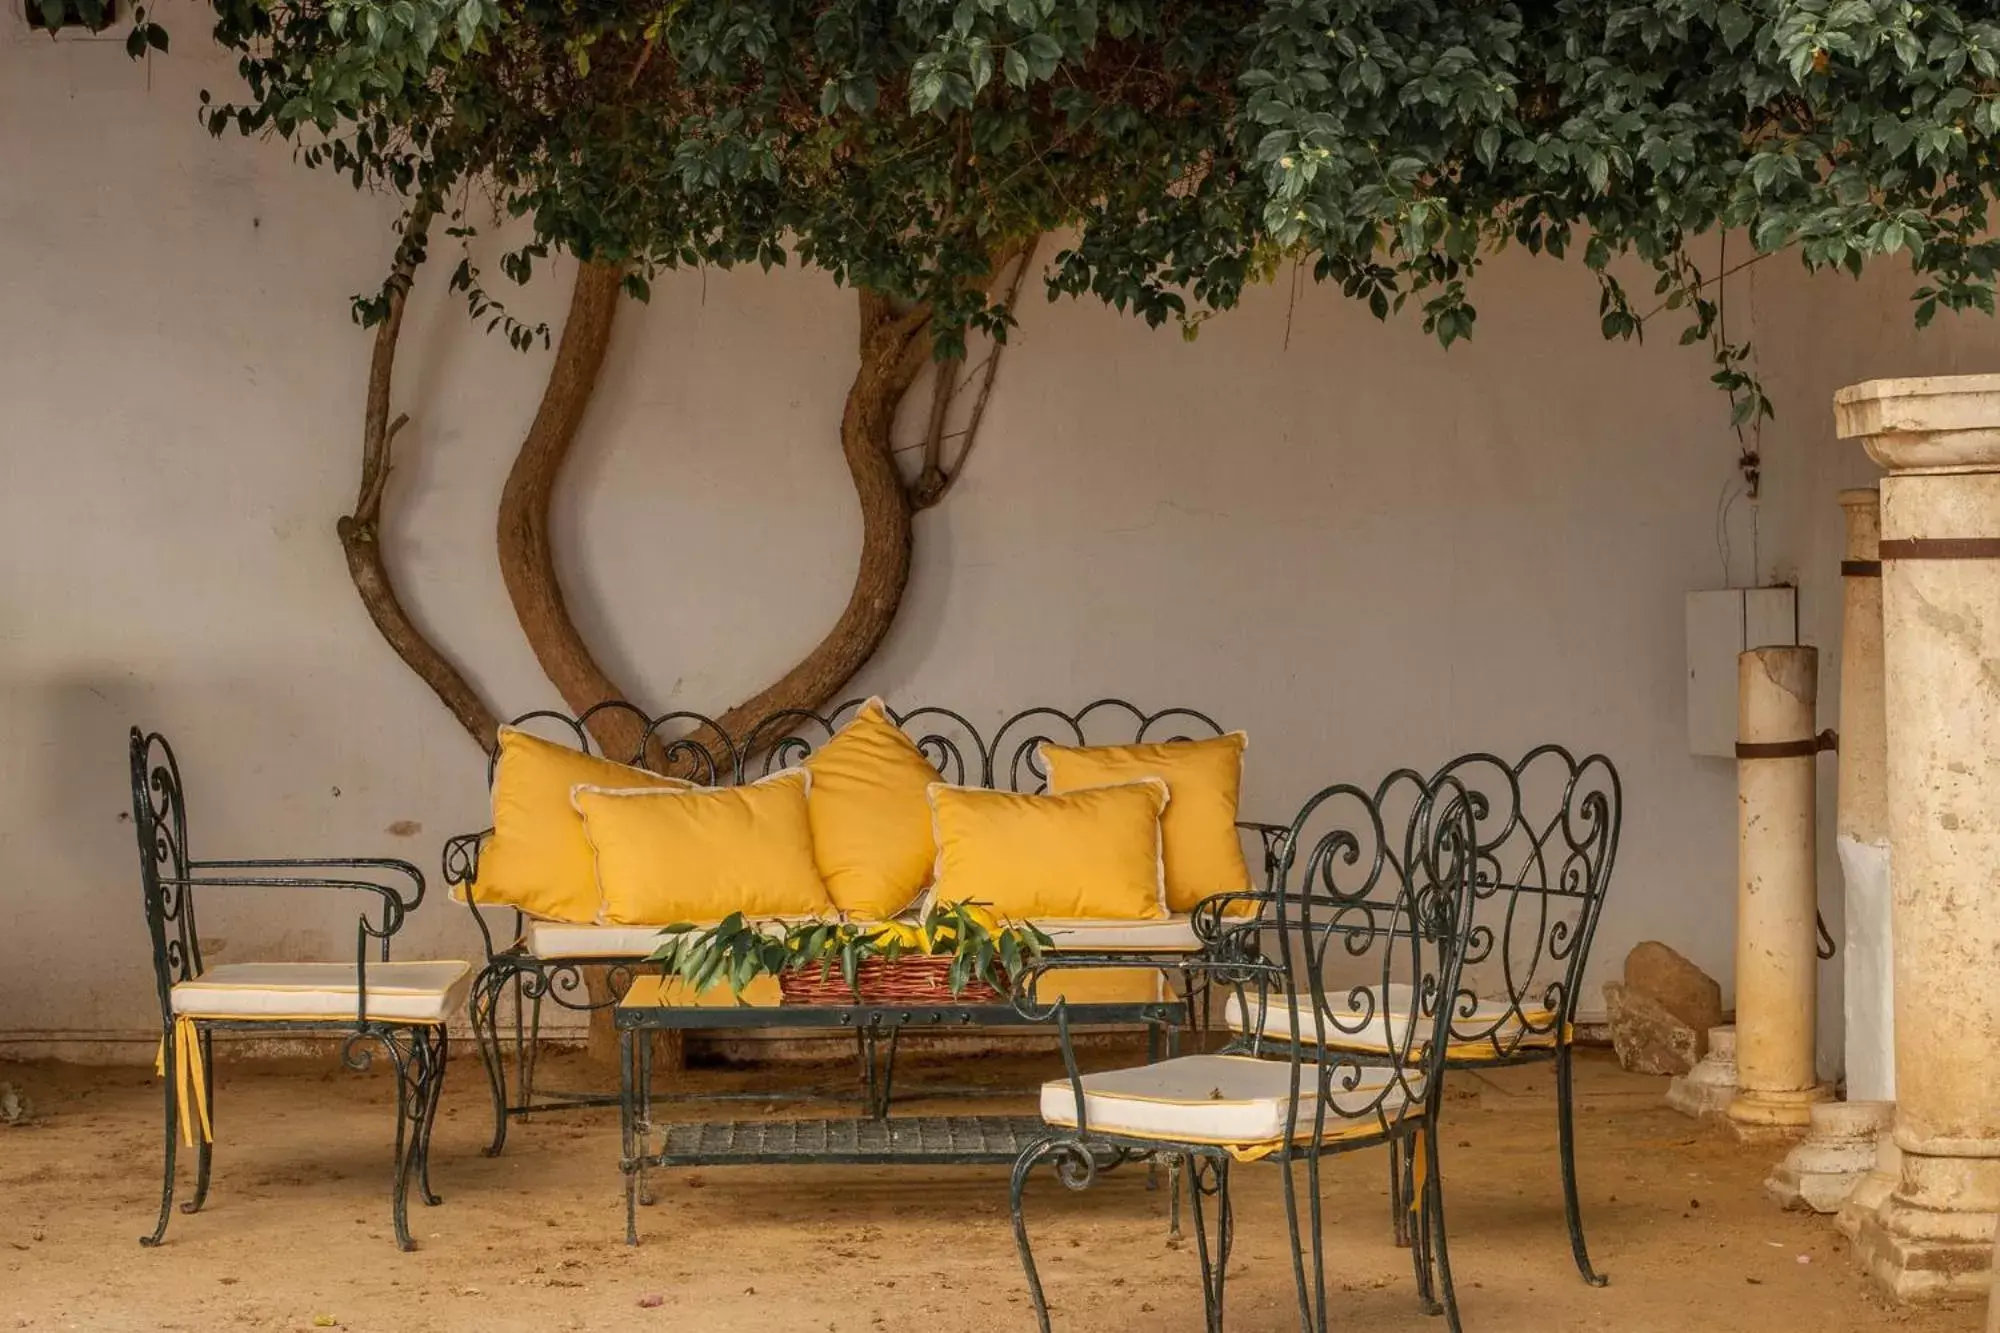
x,y
279,873
359,863
461,871
461,857
1272,836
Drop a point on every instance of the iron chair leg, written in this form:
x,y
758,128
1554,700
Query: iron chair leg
x,y
485,1013
1566,1136
1400,1205
527,1057
1416,1204
434,1097
1311,1291
1077,1168
204,1153
1434,1246
1215,1259
173,1130
1024,1165
410,1080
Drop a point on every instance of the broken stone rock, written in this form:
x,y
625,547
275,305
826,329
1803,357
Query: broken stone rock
x,y
1648,1037
1678,986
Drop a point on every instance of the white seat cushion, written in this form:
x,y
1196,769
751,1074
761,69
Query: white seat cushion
x,y
1373,1019
563,939
1232,1100
1174,934
427,992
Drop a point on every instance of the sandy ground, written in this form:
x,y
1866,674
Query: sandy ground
x,y
296,1234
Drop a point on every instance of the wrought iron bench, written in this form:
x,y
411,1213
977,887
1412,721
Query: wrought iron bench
x,y
537,961
399,1007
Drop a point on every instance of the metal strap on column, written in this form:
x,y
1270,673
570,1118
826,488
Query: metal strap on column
x,y
1802,748
1941,548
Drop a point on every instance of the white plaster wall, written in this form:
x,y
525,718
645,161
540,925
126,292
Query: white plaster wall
x,y
1364,550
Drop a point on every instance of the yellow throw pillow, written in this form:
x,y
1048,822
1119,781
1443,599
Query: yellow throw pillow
x,y
538,859
871,817
698,854
1089,855
1204,854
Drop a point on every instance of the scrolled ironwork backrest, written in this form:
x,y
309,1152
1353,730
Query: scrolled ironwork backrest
x,y
1546,830
1014,761
159,818
1365,926
693,745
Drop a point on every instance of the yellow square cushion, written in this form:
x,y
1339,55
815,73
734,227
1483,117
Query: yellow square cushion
x,y
1203,852
871,817
538,859
1086,855
697,854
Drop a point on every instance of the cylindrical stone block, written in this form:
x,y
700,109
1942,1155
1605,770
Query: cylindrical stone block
x,y
1776,900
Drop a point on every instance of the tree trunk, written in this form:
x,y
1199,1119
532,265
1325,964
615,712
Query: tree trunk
x,y
528,567
527,561
361,531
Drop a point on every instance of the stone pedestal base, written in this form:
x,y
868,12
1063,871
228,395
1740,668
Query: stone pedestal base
x,y
1705,1091
1932,1239
1873,1190
1837,1152
1769,1116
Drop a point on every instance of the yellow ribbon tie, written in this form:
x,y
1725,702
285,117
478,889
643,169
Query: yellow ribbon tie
x,y
1420,1170
1253,1152
190,1079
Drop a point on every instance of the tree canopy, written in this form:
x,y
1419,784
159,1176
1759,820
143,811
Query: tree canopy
x,y
1182,147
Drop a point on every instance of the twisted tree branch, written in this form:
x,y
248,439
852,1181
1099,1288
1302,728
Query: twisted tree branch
x,y
527,559
361,531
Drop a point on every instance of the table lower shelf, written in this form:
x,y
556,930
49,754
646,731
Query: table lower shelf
x,y
941,1140
956,1140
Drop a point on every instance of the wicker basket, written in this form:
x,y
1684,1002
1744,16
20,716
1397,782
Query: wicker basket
x,y
910,979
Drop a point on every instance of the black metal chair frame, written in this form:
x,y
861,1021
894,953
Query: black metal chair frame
x,y
1362,886
693,745
1534,920
168,877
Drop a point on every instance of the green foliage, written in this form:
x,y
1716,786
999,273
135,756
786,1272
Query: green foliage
x,y
1389,145
738,950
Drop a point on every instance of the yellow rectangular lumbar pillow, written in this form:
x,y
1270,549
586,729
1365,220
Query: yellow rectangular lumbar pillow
x,y
871,817
1087,855
699,854
1203,852
538,859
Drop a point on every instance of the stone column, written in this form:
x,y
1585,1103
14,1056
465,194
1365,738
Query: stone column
x,y
1839,1157
1939,440
1862,819
1776,893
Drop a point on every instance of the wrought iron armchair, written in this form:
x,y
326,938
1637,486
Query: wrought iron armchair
x,y
402,1007
1362,924
1545,835
539,961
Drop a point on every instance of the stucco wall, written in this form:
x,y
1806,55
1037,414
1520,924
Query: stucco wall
x,y
1364,550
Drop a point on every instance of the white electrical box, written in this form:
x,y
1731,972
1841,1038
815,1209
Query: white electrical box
x,y
1721,626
